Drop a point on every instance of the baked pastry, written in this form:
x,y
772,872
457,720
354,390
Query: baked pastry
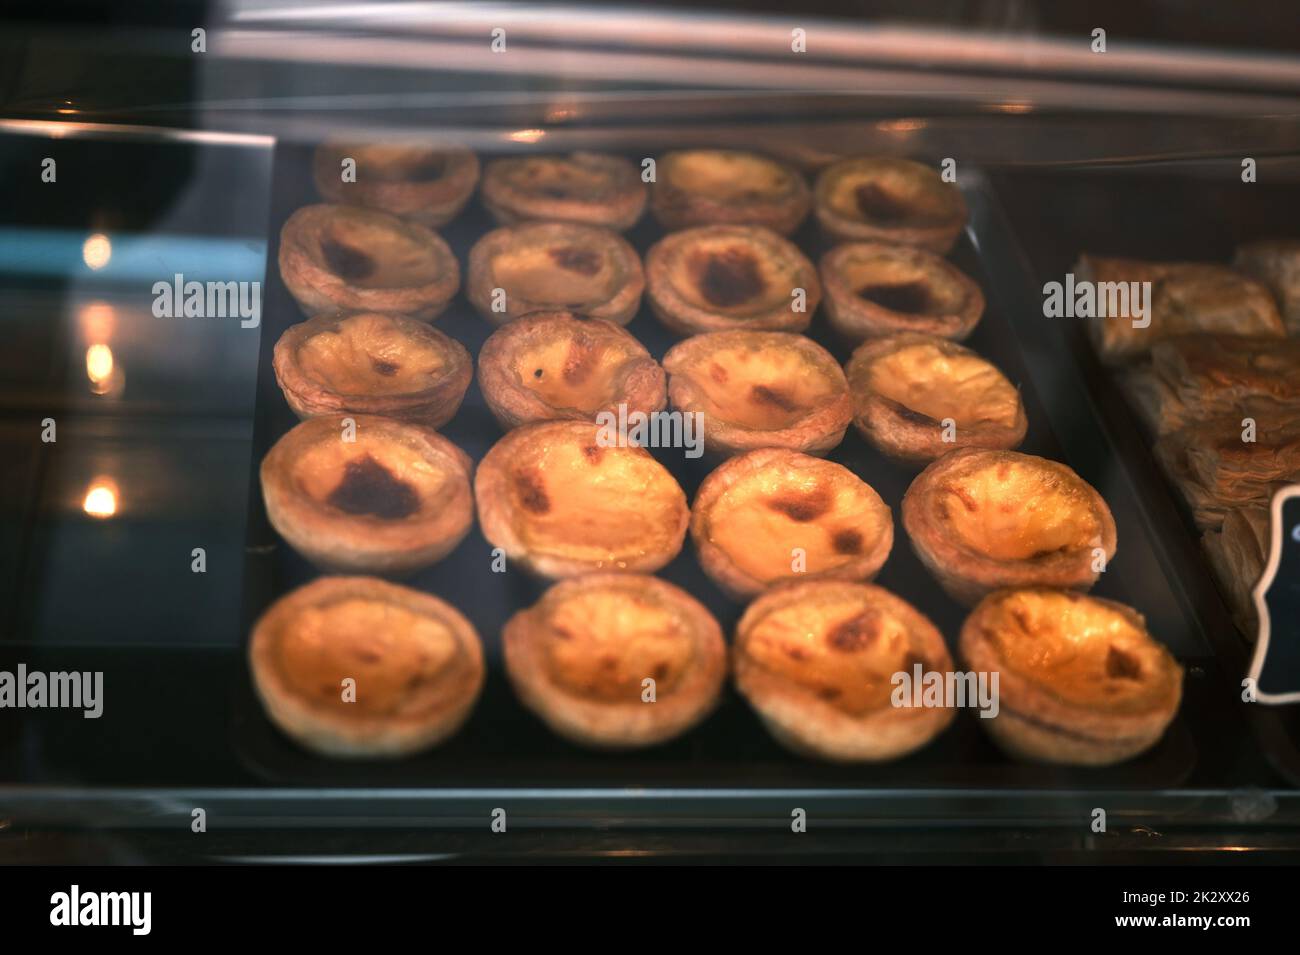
x,y
414,662
392,500
539,266
1196,377
756,510
616,661
905,387
727,186
588,188
820,661
980,520
551,365
561,502
714,278
371,363
1080,681
1217,470
1237,555
1276,263
760,390
426,184
336,257
1185,298
877,289
889,200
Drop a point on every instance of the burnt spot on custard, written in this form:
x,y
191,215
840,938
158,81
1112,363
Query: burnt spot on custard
x,y
847,541
718,373
1121,665
593,453
879,204
802,507
572,258
580,361
910,298
385,368
767,395
426,169
856,633
370,489
532,492
728,277
346,261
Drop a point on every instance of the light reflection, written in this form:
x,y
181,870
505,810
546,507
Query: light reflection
x,y
101,498
527,135
99,368
97,250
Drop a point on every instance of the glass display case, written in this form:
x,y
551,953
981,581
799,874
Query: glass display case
x,y
144,152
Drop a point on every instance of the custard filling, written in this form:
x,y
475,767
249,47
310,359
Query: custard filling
x,y
575,371
844,649
723,273
928,381
370,355
377,478
889,196
1081,650
763,516
1015,511
901,286
393,163
566,274
604,506
763,389
602,644
394,656
726,176
370,254
555,178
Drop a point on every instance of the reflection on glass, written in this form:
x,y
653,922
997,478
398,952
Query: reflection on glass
x,y
101,498
99,367
97,250
527,135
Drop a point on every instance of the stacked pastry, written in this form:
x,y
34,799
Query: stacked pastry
x,y
1215,384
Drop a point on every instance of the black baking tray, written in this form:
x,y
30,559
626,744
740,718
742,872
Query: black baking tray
x,y
504,750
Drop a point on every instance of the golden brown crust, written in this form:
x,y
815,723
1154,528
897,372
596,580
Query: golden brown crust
x,y
1080,681
552,365
348,258
580,657
394,499
877,289
1276,263
426,184
1185,298
889,200
760,390
817,661
982,520
754,511
370,363
583,187
726,186
414,662
562,500
715,278
544,266
905,387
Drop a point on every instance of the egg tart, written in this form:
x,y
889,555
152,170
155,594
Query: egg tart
x,y
818,662
875,289
588,188
889,200
356,666
616,661
726,186
426,184
552,365
906,388
371,363
348,258
394,499
714,278
1276,263
760,390
562,499
540,266
1080,681
981,520
773,516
